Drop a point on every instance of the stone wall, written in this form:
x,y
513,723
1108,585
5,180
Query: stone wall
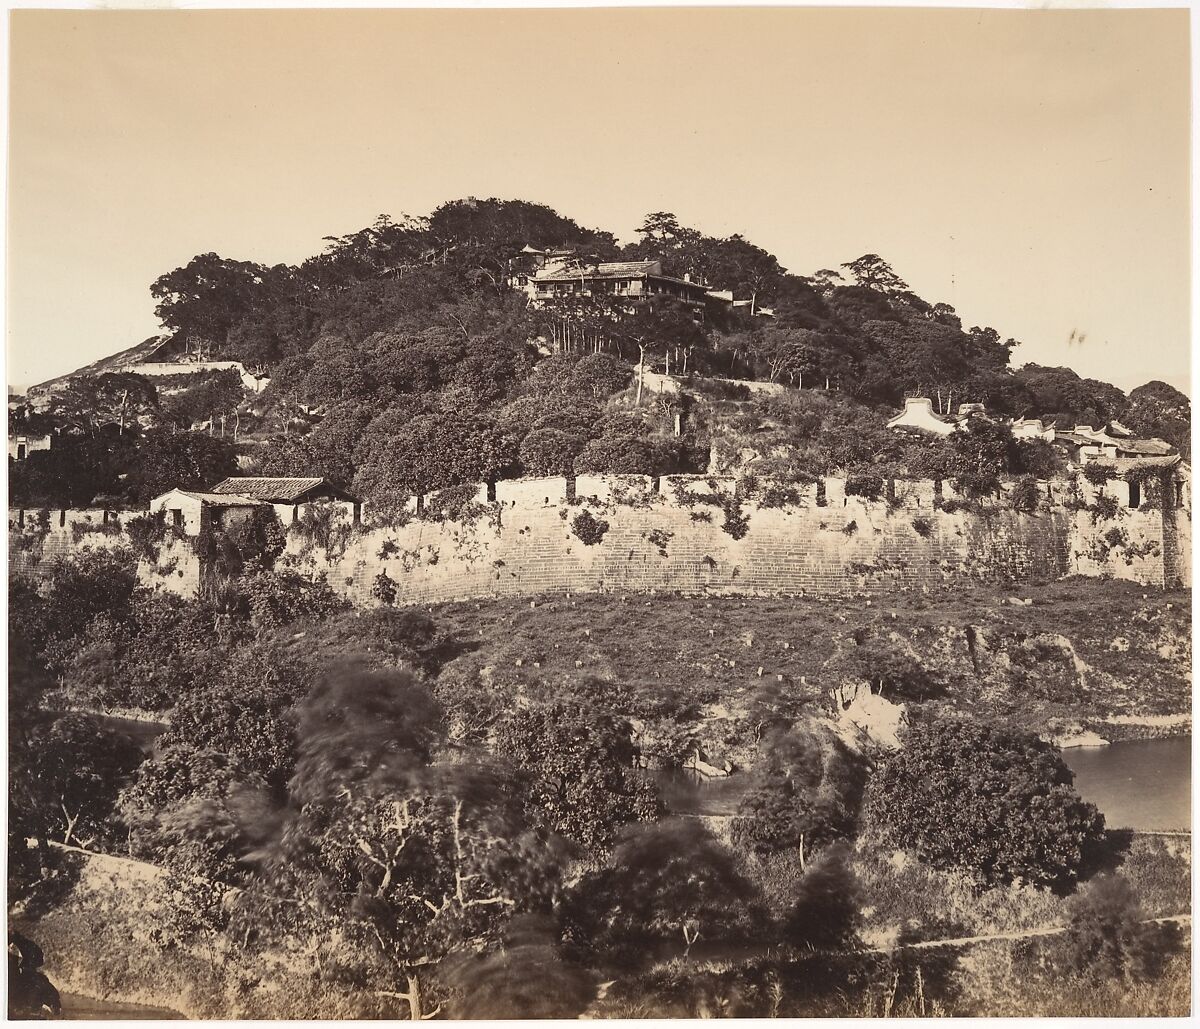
x,y
36,539
676,539
687,534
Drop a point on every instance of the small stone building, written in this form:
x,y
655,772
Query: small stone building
x,y
191,510
20,446
289,497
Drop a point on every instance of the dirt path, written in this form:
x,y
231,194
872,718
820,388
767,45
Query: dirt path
x,y
1020,934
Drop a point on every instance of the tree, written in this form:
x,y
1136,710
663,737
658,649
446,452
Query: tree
x,y
804,793
88,403
164,461
1109,938
658,325
208,296
75,471
576,771
998,804
666,883
826,914
429,453
873,272
85,585
510,225
146,658
76,770
788,353
1060,395
981,455
738,265
1160,411
526,978
411,862
207,396
550,451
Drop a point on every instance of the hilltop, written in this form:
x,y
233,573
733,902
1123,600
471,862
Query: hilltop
x,y
421,353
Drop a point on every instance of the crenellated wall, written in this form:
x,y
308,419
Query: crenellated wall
x,y
36,539
675,536
689,534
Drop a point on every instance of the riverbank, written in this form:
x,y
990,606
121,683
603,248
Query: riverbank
x,y
78,1008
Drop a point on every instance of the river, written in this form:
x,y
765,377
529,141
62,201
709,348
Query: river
x,y
1139,784
76,1007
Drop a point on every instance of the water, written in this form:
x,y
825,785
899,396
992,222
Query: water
x,y
688,793
76,1007
1141,784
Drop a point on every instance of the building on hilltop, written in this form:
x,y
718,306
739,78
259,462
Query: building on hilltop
x,y
918,413
1083,445
624,280
1032,428
726,297
28,430
21,445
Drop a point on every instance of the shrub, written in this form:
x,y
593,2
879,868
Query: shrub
x,y
1104,508
1025,495
588,529
893,671
864,484
577,769
998,804
666,883
804,793
826,912
383,588
322,525
145,533
659,538
776,495
736,523
977,484
1098,473
922,527
1107,937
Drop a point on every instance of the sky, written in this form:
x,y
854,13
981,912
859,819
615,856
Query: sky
x,y
1029,167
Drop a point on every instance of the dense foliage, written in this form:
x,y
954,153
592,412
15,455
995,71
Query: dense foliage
x,y
995,803
424,803
405,358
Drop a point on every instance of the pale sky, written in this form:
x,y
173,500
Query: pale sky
x,y
1031,168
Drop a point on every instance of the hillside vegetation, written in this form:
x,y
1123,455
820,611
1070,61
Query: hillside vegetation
x,y
404,358
377,811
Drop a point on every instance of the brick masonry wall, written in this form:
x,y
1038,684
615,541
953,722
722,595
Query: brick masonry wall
x,y
36,539
673,540
525,545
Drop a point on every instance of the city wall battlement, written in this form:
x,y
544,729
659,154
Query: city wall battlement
x,y
701,535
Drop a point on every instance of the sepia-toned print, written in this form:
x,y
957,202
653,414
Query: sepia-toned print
x,y
718,544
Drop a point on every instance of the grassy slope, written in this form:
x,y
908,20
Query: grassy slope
x,y
1134,646
704,656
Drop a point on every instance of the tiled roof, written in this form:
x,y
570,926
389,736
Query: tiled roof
x,y
604,270
1123,464
280,491
1149,447
1139,447
223,499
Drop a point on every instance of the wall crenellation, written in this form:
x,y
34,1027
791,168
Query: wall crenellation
x,y
702,534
